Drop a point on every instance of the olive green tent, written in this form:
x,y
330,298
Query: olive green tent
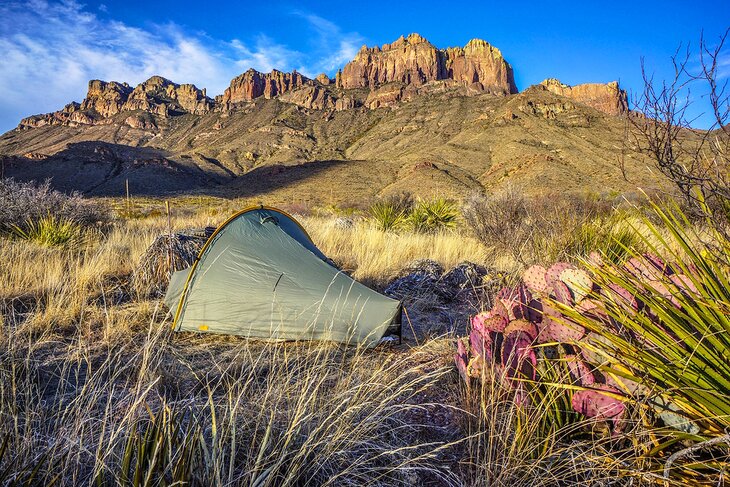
x,y
260,275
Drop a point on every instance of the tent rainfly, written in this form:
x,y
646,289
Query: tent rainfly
x,y
260,275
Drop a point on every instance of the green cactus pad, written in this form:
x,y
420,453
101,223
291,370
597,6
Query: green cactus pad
x,y
553,273
578,281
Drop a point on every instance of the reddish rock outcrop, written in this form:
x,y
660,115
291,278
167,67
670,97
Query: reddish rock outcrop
x,y
608,98
105,98
479,65
253,84
313,97
385,96
323,79
413,60
162,96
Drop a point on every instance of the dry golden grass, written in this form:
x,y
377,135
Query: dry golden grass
x,y
88,370
376,256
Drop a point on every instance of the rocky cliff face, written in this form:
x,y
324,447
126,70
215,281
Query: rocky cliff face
x,y
378,77
252,84
413,60
162,96
608,97
106,99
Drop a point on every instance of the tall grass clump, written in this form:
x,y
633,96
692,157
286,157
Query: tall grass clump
x,y
144,408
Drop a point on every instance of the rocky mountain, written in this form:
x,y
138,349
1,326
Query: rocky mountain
x,y
608,97
404,116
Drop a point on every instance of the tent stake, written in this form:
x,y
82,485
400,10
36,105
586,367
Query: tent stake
x,y
411,325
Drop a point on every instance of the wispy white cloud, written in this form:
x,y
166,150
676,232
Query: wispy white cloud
x,y
50,50
336,47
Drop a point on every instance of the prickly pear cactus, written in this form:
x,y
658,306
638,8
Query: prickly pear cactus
x,y
525,319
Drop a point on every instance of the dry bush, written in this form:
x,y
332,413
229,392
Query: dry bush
x,y
167,254
547,228
22,204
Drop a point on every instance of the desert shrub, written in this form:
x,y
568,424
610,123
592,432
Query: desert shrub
x,y
498,220
429,216
545,229
22,204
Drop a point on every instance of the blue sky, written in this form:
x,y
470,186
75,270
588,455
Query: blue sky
x,y
50,49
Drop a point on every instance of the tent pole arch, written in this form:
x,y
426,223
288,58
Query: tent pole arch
x,y
212,237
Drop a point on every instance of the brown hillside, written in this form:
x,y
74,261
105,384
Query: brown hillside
x,y
415,126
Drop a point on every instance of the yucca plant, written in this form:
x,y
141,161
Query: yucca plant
x,y
50,231
433,215
387,216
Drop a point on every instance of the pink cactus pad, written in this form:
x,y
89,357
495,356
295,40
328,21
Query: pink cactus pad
x,y
562,293
579,371
593,309
522,326
663,290
460,358
534,279
481,343
619,294
685,284
500,309
557,328
554,271
534,311
518,356
658,264
515,300
595,403
489,321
